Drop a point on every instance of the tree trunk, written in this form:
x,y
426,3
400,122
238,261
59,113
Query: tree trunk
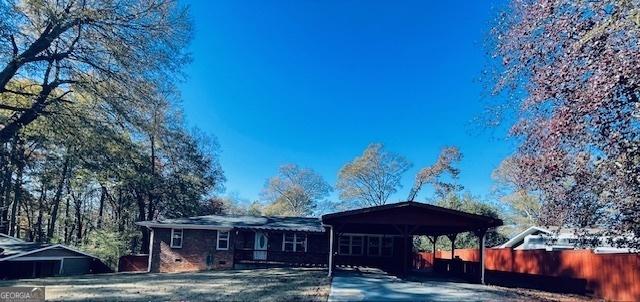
x,y
6,189
103,196
66,222
6,198
39,233
78,210
119,210
17,190
56,199
144,246
151,211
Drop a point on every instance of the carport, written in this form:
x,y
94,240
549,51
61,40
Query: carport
x,y
382,236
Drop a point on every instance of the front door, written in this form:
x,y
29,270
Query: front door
x,y
260,246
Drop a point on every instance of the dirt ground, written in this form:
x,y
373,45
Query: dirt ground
x,y
273,284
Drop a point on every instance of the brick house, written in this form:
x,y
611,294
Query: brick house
x,y
379,236
223,242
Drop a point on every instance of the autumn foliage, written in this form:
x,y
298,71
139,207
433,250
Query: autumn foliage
x,y
573,69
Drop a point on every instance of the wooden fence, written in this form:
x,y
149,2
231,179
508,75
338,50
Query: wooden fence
x,y
608,276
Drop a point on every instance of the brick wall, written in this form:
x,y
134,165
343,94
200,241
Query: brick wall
x,y
133,263
198,252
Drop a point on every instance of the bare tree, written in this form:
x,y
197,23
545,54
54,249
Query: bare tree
x,y
372,177
295,191
524,205
433,174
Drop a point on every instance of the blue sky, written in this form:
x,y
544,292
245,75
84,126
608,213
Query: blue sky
x,y
314,82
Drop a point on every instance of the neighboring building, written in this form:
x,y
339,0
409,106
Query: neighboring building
x,y
556,239
21,259
376,236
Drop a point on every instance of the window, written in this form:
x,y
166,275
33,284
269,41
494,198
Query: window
x,y
350,245
223,240
387,246
292,242
373,249
344,243
288,242
301,242
176,238
356,245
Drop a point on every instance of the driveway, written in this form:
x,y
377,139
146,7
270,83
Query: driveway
x,y
375,285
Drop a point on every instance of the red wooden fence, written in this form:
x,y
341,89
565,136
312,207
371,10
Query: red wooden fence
x,y
608,276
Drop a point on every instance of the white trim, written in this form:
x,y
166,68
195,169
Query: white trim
x,y
150,250
365,234
48,258
151,224
11,237
283,237
75,250
330,250
181,239
47,248
61,266
218,240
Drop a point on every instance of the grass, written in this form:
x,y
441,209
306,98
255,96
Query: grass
x,y
272,284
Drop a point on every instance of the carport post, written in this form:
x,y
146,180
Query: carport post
x,y
330,250
481,238
433,254
452,238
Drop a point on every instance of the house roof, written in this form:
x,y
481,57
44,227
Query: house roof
x,y
534,238
519,238
12,247
220,222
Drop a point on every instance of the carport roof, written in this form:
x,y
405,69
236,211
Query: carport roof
x,y
425,219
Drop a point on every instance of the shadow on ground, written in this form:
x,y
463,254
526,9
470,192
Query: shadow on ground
x,y
371,285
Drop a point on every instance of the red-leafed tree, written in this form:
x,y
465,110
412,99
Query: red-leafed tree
x,y
573,68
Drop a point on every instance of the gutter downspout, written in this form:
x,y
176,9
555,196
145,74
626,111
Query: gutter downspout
x,y
150,250
330,250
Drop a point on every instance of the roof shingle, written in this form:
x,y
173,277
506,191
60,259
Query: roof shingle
x,y
302,224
